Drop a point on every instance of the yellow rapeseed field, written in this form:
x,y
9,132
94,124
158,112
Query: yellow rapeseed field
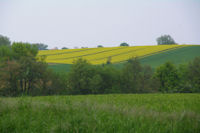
x,y
101,55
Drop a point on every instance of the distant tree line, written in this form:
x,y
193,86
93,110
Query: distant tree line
x,y
162,40
5,41
23,73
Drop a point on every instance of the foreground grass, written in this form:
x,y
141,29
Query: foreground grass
x,y
141,113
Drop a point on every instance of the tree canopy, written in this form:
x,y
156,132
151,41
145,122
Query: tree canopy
x,y
100,46
165,40
41,46
124,44
64,48
4,41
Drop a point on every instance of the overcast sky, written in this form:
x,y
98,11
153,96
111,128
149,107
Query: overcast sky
x,y
88,23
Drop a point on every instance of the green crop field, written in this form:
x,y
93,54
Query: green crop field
x,y
124,113
177,56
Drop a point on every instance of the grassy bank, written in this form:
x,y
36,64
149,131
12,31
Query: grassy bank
x,y
141,113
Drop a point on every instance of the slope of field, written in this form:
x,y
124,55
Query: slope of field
x,y
101,55
177,56
141,113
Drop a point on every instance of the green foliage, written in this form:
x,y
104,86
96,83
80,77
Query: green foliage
x,y
165,40
79,77
22,73
4,41
168,77
136,78
124,44
24,50
5,53
64,48
41,46
194,74
100,46
85,78
144,113
110,79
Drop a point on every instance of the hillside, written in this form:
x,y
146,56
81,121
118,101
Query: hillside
x,y
101,55
177,54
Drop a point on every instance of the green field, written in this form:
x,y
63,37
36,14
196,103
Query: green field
x,y
177,56
139,113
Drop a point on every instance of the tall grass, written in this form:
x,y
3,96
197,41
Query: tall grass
x,y
141,113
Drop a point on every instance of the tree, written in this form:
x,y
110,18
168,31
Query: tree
x,y
9,73
80,77
41,46
168,77
131,75
100,46
4,41
146,80
165,40
64,48
185,82
24,50
124,44
110,79
21,72
5,53
194,74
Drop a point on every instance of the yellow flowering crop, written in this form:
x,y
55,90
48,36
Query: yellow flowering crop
x,y
101,55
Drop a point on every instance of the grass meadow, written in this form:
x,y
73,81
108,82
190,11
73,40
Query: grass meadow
x,y
116,113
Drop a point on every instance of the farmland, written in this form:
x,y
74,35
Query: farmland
x,y
101,55
149,113
177,56
180,55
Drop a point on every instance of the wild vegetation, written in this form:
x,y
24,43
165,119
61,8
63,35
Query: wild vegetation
x,y
23,73
144,113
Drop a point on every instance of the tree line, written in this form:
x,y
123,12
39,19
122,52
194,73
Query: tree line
x,y
162,40
23,73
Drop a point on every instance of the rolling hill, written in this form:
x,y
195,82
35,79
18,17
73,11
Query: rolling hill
x,y
148,55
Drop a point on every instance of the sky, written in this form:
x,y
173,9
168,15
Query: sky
x,y
88,23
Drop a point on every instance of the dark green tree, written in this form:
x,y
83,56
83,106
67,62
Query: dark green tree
x,y
64,48
165,40
124,44
100,46
131,75
24,50
4,41
168,78
80,76
5,53
146,81
41,46
193,75
20,69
